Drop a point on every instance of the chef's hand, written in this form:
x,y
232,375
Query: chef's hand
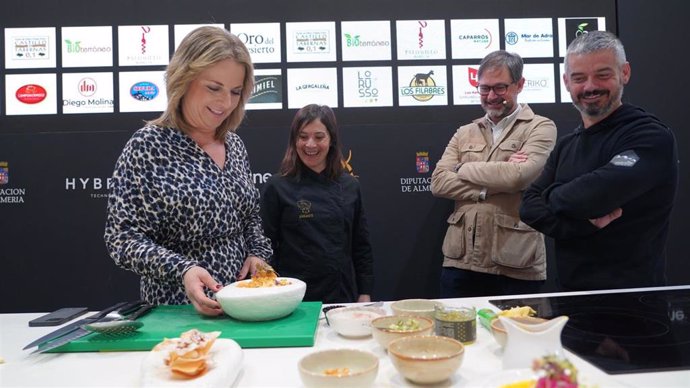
x,y
195,281
607,219
251,264
364,298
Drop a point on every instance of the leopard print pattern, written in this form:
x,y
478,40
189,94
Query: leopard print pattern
x,y
171,207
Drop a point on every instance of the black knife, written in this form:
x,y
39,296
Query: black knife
x,y
122,306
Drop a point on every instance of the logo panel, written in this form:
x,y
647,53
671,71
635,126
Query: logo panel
x,y
366,40
312,86
367,86
474,38
465,85
531,38
142,91
310,42
87,46
268,90
421,85
262,40
421,39
570,28
30,94
143,45
87,93
30,48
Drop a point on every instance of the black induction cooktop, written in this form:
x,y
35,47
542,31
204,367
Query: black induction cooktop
x,y
630,332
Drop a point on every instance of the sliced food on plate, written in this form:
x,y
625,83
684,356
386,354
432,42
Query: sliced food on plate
x,y
195,359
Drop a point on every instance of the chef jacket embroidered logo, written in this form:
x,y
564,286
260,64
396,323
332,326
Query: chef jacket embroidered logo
x,y
304,209
625,159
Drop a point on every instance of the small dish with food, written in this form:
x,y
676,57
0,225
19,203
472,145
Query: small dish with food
x,y
354,321
390,327
339,368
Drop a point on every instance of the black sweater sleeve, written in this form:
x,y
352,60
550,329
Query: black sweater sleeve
x,y
643,159
535,210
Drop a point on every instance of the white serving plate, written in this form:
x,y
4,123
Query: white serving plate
x,y
224,363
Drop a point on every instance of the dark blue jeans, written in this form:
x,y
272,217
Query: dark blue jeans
x,y
460,283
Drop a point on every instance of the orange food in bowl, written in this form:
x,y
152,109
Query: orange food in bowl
x,y
265,276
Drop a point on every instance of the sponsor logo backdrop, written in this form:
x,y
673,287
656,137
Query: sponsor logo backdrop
x,y
372,62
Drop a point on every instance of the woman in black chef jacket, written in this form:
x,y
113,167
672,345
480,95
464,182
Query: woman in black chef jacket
x,y
312,212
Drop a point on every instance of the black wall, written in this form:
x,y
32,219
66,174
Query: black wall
x,y
654,35
51,247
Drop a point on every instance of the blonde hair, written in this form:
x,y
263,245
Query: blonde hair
x,y
199,50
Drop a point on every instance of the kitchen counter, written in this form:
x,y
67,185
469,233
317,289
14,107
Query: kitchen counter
x,y
276,366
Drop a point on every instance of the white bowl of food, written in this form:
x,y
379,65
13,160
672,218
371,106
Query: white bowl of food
x,y
419,307
242,301
339,368
354,321
390,327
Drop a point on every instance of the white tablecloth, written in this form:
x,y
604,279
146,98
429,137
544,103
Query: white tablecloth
x,y
270,367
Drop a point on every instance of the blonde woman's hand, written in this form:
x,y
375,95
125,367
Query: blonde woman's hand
x,y
251,264
195,281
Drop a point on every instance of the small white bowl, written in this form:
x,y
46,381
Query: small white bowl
x,y
426,359
362,368
262,303
419,307
353,321
383,334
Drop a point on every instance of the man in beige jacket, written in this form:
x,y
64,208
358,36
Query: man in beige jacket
x,y
487,164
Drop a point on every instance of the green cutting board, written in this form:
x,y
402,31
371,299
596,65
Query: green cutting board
x,y
297,329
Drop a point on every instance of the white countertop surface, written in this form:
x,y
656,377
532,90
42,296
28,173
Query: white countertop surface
x,y
275,367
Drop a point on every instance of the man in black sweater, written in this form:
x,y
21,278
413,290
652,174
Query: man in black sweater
x,y
606,192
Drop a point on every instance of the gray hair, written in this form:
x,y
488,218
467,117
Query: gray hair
x,y
596,41
499,59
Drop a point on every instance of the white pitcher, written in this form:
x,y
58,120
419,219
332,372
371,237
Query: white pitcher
x,y
527,342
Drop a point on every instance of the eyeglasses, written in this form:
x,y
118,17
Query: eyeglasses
x,y
499,89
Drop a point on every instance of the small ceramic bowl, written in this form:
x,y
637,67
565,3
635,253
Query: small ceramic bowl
x,y
426,359
339,368
419,307
500,334
262,303
384,328
353,321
